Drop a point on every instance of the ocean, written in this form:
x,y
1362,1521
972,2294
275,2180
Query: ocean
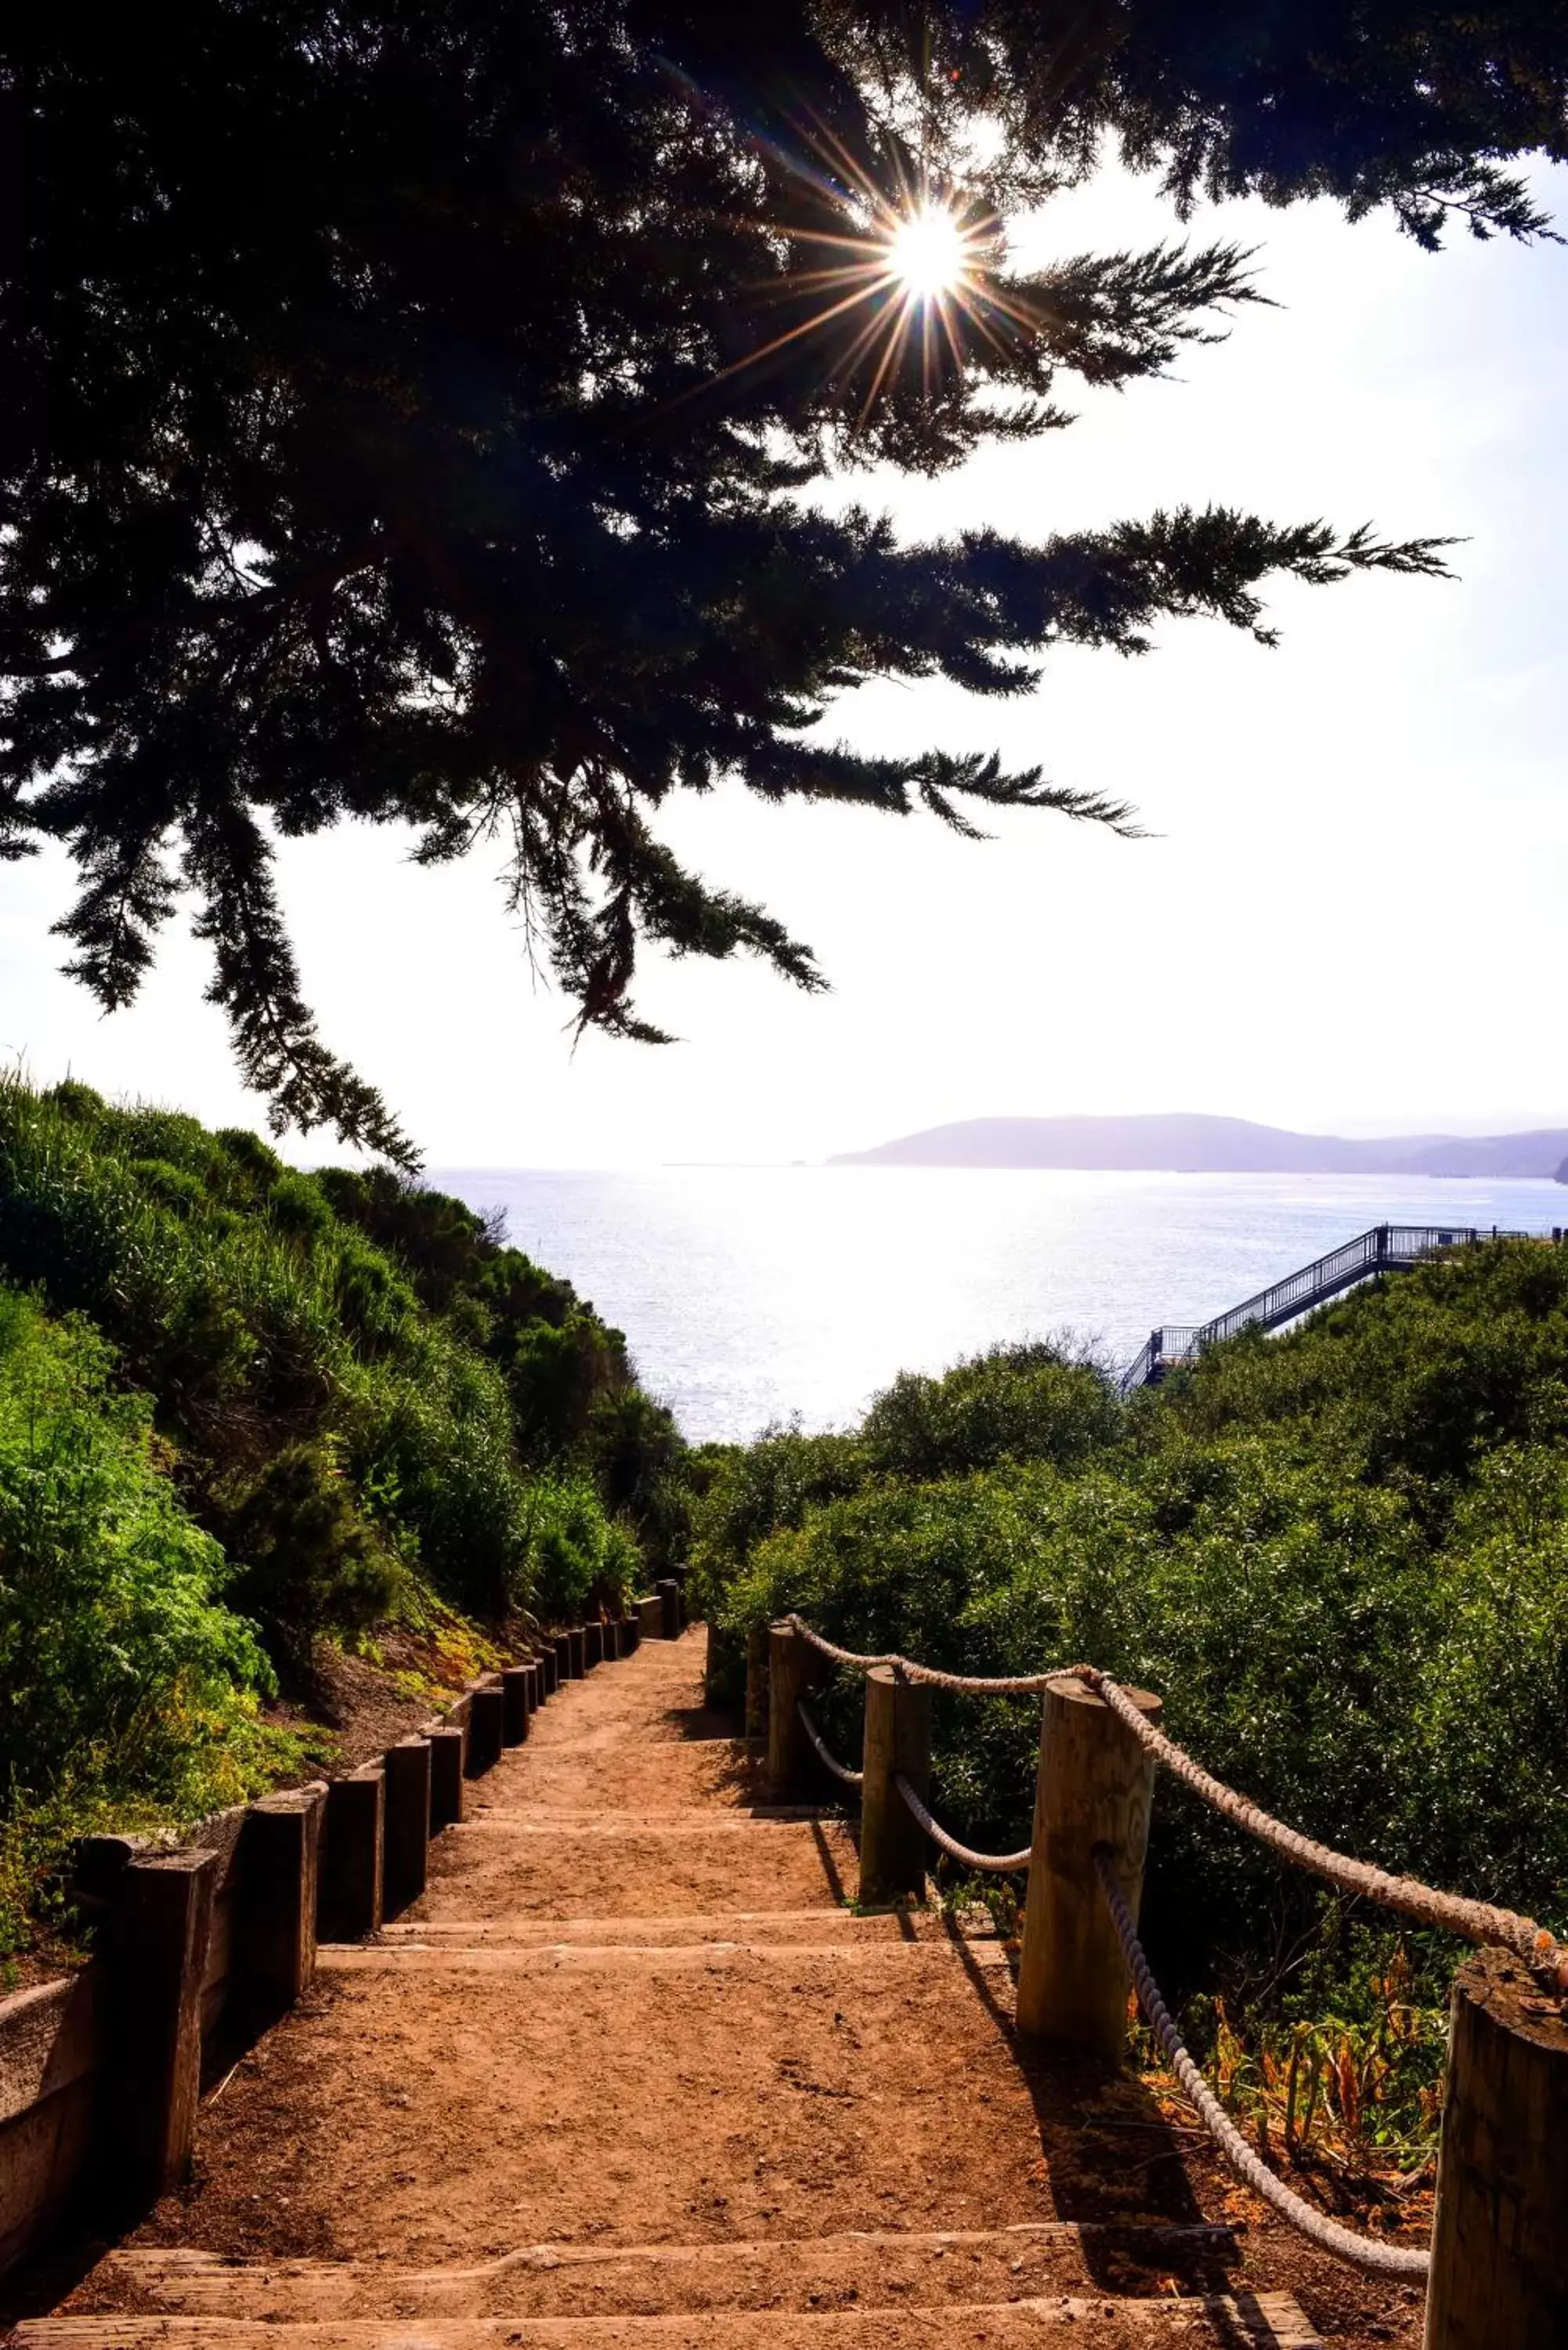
x,y
756,1295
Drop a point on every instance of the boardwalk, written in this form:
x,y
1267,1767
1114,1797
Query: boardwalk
x,y
632,2074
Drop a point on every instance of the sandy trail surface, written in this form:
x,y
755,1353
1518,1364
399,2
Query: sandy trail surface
x,y
634,2072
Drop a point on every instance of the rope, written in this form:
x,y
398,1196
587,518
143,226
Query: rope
x,y
1454,1913
1002,1862
1016,1685
1474,1922
1365,2251
839,1770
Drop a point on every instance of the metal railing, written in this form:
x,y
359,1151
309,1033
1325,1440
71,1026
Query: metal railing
x,y
1386,1248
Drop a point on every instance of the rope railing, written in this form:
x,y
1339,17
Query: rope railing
x,y
1473,1921
965,1684
830,1762
1078,1937
1481,1922
1001,1862
1365,2251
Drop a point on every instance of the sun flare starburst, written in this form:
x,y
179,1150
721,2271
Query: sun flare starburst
x,y
929,251
906,282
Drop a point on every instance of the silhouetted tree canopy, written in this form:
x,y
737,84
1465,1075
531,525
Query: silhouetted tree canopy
x,y
410,413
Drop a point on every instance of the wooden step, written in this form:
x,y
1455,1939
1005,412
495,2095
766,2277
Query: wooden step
x,y
545,1864
448,2104
437,1956
829,1922
1090,2322
878,2268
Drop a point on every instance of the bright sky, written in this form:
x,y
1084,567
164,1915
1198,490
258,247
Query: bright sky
x,y
1352,915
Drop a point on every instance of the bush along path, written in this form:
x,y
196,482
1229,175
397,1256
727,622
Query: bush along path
x,y
632,2069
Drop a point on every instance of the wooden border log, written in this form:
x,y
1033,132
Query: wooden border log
x,y
1499,2229
575,1665
405,1865
668,1592
486,1726
353,1855
280,1856
1094,1786
162,1919
629,1639
549,1665
448,1741
650,1617
53,2040
793,1771
562,1659
514,1704
898,1738
593,1643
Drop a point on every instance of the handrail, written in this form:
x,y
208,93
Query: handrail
x,y
1385,1248
824,1754
1481,1922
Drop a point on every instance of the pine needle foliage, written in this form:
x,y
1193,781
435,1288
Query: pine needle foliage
x,y
414,416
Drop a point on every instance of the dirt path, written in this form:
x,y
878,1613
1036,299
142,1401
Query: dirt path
x,y
633,2072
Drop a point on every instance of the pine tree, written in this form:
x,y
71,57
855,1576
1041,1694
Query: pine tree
x,y
410,413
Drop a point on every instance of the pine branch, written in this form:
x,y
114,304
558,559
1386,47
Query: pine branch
x,y
256,982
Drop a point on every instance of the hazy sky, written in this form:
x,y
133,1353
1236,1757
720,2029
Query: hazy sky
x,y
1350,916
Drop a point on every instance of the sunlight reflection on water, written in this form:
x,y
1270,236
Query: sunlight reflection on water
x,y
752,1294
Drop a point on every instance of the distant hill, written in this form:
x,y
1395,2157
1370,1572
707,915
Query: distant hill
x,y
1182,1144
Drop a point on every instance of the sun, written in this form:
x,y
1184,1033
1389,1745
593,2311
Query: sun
x,y
928,253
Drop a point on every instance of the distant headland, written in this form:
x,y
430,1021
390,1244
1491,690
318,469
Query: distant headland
x,y
1188,1145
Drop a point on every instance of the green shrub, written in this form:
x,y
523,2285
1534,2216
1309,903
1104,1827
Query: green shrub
x,y
356,1372
1012,1404
1341,1557
127,1680
575,1554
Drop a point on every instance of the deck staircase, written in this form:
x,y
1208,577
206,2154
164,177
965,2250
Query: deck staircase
x,y
1386,1248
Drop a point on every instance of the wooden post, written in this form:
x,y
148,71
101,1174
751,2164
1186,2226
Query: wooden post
x,y
514,1704
898,1738
405,1856
650,1617
349,1898
670,1596
592,1642
1499,2230
793,1768
486,1725
280,1844
163,1924
630,1634
575,1665
549,1670
447,1739
1096,1786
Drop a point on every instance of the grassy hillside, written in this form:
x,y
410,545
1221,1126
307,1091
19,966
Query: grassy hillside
x,y
1341,1556
246,1413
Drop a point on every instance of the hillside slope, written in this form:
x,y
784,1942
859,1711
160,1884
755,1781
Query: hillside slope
x,y
1189,1144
